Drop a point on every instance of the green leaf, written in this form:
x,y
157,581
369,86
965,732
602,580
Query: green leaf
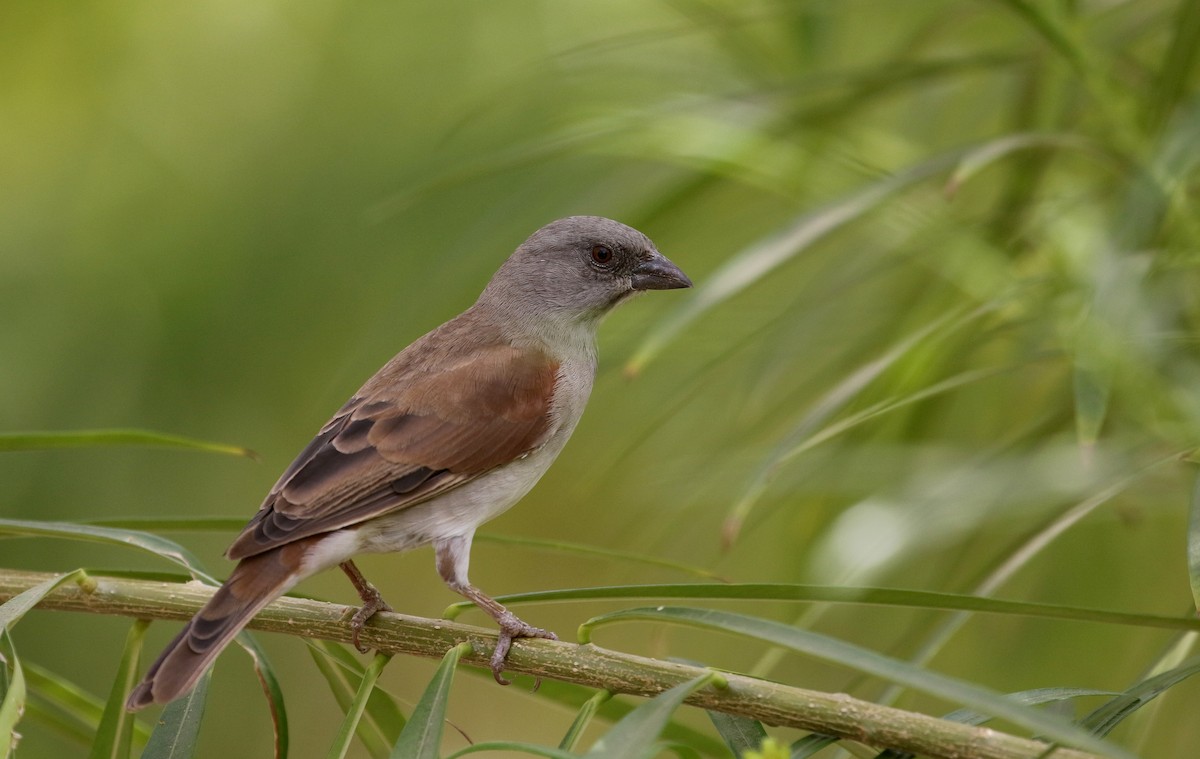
x,y
422,736
11,612
12,694
867,596
34,441
740,733
810,745
16,607
873,663
115,734
761,258
78,711
161,547
982,156
383,720
637,734
583,719
1106,717
271,689
172,524
574,697
1193,543
354,712
580,549
179,725
527,748
806,432
1093,388
176,553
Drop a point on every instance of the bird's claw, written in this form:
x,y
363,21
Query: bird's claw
x,y
373,603
511,628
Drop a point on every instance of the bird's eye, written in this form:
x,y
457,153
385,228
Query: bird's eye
x,y
602,255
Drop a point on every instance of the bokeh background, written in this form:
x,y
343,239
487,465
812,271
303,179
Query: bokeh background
x,y
944,336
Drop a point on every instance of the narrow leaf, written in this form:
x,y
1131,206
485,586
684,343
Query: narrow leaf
x,y
526,748
383,720
350,725
761,258
179,726
811,745
982,156
637,734
862,595
1103,719
271,689
33,441
162,547
337,676
16,607
422,736
583,719
1193,544
81,708
742,734
115,734
12,697
873,663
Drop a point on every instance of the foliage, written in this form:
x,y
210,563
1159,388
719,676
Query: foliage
x,y
943,338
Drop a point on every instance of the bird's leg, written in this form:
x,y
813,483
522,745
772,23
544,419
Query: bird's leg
x,y
371,598
453,556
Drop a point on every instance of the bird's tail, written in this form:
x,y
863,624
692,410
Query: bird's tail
x,y
255,582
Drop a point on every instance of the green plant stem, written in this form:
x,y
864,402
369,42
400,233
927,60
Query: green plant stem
x,y
588,665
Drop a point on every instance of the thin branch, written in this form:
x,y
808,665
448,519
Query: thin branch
x,y
588,665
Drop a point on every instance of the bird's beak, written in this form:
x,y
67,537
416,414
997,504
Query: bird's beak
x,y
658,273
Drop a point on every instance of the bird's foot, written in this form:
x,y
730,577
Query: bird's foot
x,y
372,602
511,627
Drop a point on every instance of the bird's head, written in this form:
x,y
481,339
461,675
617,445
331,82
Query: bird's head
x,y
579,267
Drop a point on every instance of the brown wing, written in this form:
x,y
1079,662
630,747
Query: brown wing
x,y
416,429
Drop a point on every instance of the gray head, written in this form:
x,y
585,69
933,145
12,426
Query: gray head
x,y
580,267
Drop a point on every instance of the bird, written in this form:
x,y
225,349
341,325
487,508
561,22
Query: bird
x,y
451,432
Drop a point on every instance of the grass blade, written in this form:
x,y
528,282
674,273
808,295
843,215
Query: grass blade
x,y
742,734
1103,719
637,734
40,441
421,738
525,748
583,719
179,726
350,725
755,262
383,719
161,547
12,695
1193,543
115,735
871,596
75,710
810,745
826,406
979,158
271,689
16,607
873,663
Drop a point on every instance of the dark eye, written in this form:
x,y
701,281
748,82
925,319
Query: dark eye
x,y
602,255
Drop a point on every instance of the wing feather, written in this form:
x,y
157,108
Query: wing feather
x,y
415,430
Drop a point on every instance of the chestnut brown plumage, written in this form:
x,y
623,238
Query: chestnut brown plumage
x,y
451,432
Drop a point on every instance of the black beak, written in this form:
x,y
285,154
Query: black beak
x,y
657,273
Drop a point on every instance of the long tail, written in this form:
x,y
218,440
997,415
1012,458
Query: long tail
x,y
255,582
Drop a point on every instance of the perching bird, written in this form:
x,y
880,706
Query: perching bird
x,y
448,434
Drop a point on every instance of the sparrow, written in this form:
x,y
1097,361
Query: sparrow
x,y
453,431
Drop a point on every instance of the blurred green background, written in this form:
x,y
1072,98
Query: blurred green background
x,y
947,264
